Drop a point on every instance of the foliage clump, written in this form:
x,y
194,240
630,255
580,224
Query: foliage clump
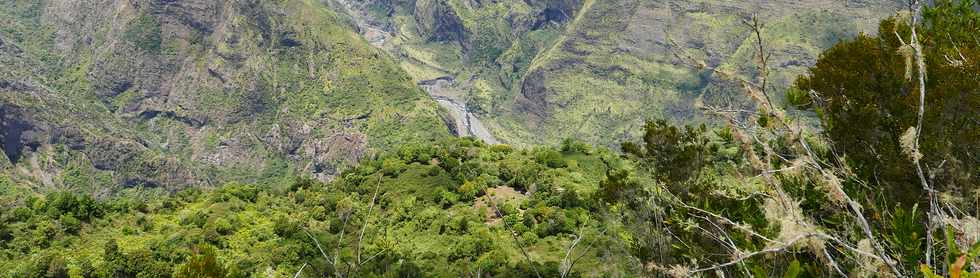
x,y
447,209
867,100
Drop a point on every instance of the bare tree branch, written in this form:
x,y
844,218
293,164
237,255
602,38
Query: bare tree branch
x,y
360,237
935,215
747,256
317,242
565,263
855,210
571,264
756,27
340,242
750,138
300,271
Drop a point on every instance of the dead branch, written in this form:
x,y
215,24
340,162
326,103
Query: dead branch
x,y
749,138
340,242
833,263
935,216
747,256
584,252
566,266
756,27
317,242
360,237
300,271
855,209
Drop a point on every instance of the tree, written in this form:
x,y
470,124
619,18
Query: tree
x,y
202,264
676,154
787,158
867,97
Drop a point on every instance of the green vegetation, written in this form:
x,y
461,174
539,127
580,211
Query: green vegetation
x,y
870,116
144,32
429,209
170,96
886,187
540,71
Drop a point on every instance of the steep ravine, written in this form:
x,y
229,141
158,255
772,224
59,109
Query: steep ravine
x,y
441,89
465,122
544,70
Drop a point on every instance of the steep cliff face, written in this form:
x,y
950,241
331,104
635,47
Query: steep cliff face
x,y
219,90
544,70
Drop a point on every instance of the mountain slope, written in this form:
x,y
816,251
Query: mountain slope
x,y
540,71
212,90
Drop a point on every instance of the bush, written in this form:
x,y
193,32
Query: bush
x,y
575,146
202,264
869,99
69,223
676,154
550,158
244,192
83,207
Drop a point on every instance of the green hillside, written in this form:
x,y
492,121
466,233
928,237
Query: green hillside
x,y
170,94
285,138
540,71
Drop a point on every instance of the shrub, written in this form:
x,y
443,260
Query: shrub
x,y
244,192
869,99
83,207
69,223
202,264
550,158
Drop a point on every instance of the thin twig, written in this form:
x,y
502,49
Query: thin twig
x,y
833,263
856,212
588,248
340,242
763,59
746,256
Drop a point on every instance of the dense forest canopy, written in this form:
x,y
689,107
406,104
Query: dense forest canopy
x,y
887,186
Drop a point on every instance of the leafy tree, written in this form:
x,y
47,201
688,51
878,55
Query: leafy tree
x,y
141,263
550,157
865,94
70,223
676,154
202,264
83,207
145,33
